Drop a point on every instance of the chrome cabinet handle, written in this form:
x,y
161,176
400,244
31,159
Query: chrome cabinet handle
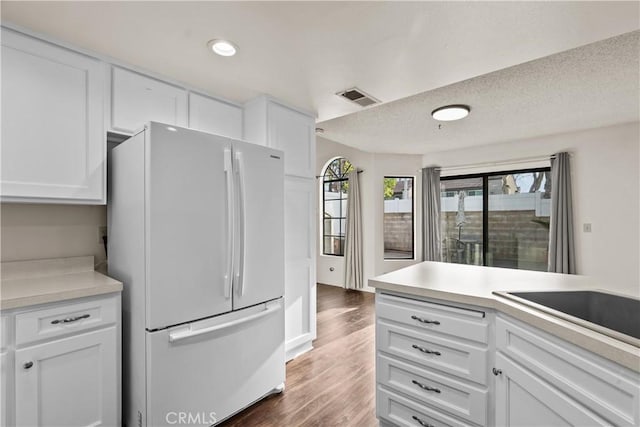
x,y
496,372
421,320
70,319
27,365
422,423
426,387
426,350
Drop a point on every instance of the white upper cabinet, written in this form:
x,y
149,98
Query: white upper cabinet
x,y
137,99
275,125
214,116
53,136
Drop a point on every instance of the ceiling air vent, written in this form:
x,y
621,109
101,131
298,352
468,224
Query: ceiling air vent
x,y
359,97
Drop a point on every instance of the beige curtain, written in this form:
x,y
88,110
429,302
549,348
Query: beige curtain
x,y
353,269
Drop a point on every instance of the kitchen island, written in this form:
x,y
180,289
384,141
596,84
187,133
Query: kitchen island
x,y
450,351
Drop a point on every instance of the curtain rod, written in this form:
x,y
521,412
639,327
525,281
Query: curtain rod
x,y
497,163
322,176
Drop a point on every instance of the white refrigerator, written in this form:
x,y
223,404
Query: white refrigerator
x,y
196,234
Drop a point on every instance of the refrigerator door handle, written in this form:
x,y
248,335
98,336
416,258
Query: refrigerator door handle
x,y
228,174
243,222
184,334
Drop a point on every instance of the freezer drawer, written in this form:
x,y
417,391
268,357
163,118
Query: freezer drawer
x,y
208,370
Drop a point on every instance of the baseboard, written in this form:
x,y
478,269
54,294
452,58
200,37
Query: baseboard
x,y
365,289
298,350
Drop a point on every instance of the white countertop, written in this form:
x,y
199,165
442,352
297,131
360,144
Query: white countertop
x,y
474,285
26,283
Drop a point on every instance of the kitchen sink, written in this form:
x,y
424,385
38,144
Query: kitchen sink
x,y
613,315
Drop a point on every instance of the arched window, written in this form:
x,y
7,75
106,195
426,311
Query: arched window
x,y
335,186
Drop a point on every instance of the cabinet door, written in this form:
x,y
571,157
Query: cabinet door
x,y
300,274
137,99
213,116
4,403
293,133
68,382
524,399
53,139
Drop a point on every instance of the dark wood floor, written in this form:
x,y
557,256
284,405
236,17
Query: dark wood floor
x,y
333,384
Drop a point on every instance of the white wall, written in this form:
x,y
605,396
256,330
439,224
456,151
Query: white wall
x,y
37,231
606,192
376,167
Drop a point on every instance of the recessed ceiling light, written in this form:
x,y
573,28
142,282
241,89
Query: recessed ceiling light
x,y
172,129
222,47
451,112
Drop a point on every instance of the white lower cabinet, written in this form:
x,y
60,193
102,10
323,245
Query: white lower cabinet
x,y
61,366
525,399
4,405
68,382
543,380
440,364
431,363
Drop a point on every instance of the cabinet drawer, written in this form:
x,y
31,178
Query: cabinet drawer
x,y
405,412
442,319
608,389
64,319
434,389
451,356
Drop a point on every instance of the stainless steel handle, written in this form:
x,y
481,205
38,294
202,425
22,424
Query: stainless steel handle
x,y
27,365
426,387
228,172
426,350
243,221
422,423
70,319
421,320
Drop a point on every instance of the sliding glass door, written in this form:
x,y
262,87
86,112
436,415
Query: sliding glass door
x,y
518,220
462,220
497,219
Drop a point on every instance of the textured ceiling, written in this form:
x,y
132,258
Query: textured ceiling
x,y
304,52
591,86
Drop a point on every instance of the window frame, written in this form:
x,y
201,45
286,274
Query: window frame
x,y
485,198
413,218
343,178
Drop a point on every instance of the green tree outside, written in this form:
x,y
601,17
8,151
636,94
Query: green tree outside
x,y
389,187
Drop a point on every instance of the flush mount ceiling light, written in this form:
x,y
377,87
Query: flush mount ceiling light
x,y
222,47
451,112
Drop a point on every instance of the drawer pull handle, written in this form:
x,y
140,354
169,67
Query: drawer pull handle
x,y
70,319
27,365
422,423
426,350
426,387
421,320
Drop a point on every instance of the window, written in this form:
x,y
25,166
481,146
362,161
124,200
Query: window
x,y
335,186
398,217
497,219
